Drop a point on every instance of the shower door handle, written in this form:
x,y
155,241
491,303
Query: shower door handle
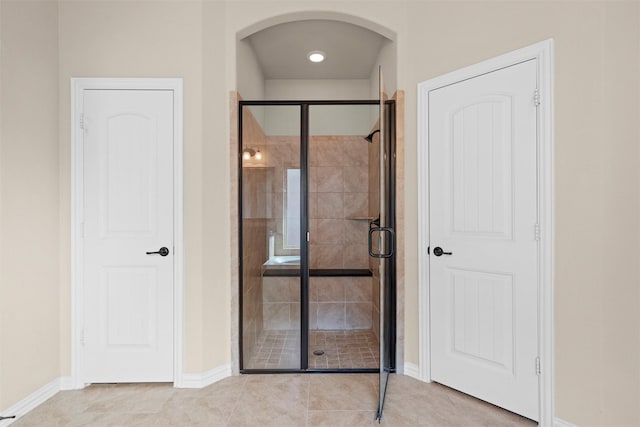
x,y
392,243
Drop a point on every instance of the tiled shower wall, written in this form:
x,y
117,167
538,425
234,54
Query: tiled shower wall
x,y
338,197
334,303
254,240
338,224
338,202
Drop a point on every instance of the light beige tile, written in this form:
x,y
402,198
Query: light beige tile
x,y
356,256
329,289
269,401
130,398
325,151
358,315
344,393
276,316
325,256
331,315
355,153
313,315
356,232
356,179
359,289
313,205
342,418
294,289
313,179
329,179
356,205
330,205
277,400
294,315
329,231
275,289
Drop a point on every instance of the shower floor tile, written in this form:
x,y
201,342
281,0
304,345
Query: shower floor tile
x,y
343,349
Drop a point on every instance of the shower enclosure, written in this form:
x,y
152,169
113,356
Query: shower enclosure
x,y
316,232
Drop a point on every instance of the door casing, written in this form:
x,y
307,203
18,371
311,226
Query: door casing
x,y
542,52
78,85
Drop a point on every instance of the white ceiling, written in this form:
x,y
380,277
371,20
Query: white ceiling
x,y
351,50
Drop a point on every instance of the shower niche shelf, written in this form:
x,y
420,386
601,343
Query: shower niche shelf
x,y
360,218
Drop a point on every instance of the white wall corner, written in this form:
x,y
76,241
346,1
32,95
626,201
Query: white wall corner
x,y
30,402
203,379
412,370
559,422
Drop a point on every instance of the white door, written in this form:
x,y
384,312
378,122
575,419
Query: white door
x,y
483,247
128,211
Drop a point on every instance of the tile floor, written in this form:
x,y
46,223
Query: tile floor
x,y
276,350
343,349
271,400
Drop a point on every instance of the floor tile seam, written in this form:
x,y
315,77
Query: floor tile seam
x,y
308,401
235,406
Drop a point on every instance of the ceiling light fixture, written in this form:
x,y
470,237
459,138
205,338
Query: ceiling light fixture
x,y
316,56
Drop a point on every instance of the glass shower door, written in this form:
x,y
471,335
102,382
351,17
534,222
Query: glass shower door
x,y
382,242
271,231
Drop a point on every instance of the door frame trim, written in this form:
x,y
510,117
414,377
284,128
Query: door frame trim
x,y
78,85
542,52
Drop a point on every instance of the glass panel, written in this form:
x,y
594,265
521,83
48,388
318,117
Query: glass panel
x,y
271,231
342,327
383,263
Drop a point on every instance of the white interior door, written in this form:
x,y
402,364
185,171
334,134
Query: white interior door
x,y
483,240
128,212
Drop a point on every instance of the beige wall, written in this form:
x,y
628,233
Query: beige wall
x,y
597,195
143,39
29,286
596,180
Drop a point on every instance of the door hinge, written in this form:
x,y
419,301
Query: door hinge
x,y
82,121
536,98
536,231
538,368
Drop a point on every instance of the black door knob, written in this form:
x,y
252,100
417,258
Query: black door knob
x,y
437,251
163,252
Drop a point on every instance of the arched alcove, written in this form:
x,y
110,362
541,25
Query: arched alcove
x,y
271,64
272,60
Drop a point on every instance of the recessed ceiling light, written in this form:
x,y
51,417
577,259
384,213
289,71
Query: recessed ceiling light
x,y
316,56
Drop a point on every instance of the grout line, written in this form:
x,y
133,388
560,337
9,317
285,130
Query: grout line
x,y
308,398
240,399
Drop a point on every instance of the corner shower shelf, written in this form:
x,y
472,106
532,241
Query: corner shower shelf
x,y
360,218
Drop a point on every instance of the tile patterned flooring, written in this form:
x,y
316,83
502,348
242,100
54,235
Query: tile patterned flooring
x,y
276,350
343,349
299,400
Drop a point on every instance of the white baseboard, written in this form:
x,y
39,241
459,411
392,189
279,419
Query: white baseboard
x,y
412,370
30,402
558,422
66,383
205,378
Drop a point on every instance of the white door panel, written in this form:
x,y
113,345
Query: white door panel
x,y
483,209
128,211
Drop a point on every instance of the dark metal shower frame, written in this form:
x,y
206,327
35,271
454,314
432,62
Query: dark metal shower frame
x,y
304,210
